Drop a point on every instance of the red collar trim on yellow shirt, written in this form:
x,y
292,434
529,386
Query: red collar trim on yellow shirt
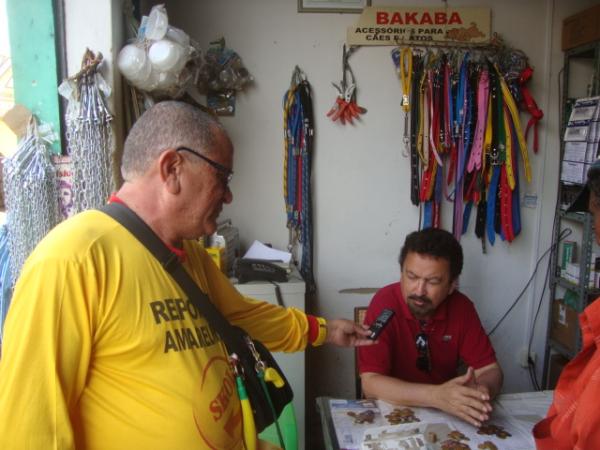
x,y
180,252
313,328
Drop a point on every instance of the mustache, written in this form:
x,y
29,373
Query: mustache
x,y
422,298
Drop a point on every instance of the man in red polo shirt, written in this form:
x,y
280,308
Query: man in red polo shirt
x,y
433,330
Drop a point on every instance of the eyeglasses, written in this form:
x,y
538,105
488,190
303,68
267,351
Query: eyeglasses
x,y
224,171
423,360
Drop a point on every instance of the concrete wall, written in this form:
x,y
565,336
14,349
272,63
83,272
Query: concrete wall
x,y
99,27
361,180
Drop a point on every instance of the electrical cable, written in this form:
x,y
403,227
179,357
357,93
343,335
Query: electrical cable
x,y
566,232
531,364
563,234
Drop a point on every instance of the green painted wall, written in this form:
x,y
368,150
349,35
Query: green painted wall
x,y
34,59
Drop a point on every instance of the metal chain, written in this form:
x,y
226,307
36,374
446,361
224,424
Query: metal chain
x,y
90,142
30,190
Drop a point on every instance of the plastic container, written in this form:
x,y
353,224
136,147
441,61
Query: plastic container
x,y
149,83
157,23
166,81
133,62
179,36
165,55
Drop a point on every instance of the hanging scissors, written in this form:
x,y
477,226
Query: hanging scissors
x,y
346,108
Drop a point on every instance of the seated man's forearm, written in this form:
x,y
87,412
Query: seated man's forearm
x,y
460,396
396,391
491,377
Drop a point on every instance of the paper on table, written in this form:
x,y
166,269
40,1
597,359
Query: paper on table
x,y
258,250
351,418
520,438
534,404
507,414
413,436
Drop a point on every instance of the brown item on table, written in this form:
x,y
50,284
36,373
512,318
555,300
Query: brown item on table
x,y
451,444
365,416
457,436
490,429
487,445
431,437
404,415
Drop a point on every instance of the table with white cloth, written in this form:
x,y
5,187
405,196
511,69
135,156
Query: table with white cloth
x,y
376,425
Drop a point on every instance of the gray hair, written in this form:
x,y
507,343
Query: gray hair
x,y
167,125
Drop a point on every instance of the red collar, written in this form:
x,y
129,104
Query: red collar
x,y
180,252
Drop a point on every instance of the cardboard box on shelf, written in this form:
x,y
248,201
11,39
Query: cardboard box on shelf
x,y
565,323
557,364
581,28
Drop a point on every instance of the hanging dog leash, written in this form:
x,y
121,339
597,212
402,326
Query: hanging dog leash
x,y
403,60
298,147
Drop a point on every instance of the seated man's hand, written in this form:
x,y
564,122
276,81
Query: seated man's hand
x,y
480,387
463,398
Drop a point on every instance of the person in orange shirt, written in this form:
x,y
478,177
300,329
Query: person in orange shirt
x,y
573,420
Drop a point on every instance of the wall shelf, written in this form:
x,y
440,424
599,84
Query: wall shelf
x,y
562,349
591,292
580,63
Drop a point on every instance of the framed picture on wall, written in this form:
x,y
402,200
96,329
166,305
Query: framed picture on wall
x,y
338,6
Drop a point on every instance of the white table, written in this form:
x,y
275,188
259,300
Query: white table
x,y
516,413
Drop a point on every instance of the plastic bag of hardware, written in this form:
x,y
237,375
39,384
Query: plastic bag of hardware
x,y
223,70
162,60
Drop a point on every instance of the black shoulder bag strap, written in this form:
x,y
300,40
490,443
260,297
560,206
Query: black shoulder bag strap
x,y
170,262
267,406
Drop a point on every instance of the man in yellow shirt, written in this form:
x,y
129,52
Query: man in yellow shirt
x,y
102,349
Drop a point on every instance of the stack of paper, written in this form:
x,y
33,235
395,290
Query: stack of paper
x,y
581,140
258,250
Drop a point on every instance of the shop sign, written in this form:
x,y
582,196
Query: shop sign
x,y
389,25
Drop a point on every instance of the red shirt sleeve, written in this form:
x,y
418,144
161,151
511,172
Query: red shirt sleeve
x,y
475,348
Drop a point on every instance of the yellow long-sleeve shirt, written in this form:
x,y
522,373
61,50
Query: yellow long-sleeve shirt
x,y
102,349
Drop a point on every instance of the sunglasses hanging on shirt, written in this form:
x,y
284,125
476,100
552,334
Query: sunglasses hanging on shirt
x,y
423,359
